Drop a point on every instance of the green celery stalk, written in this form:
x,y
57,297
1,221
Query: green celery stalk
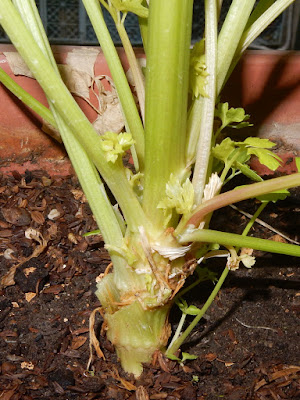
x,y
230,35
60,97
166,98
134,124
232,239
208,106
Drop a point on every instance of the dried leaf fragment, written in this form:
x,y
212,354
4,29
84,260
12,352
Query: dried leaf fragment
x,y
17,64
29,296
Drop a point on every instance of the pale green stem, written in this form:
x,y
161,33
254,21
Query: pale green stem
x,y
230,35
208,108
258,26
26,98
63,101
85,170
143,23
262,22
239,194
138,77
176,345
232,239
255,216
176,334
259,9
96,195
166,98
131,114
193,129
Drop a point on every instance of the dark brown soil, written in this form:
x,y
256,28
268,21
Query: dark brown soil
x,y
247,345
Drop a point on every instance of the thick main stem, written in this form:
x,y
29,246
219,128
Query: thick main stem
x,y
169,33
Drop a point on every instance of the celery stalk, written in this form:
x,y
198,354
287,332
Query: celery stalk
x,y
166,98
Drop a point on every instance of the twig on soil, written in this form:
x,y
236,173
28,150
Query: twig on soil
x,y
256,327
265,225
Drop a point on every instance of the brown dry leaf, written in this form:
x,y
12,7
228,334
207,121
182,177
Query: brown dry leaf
x,y
29,296
54,289
83,59
78,82
110,116
277,238
28,271
285,372
7,394
33,234
141,393
111,119
17,64
77,342
16,215
126,384
93,339
210,356
37,217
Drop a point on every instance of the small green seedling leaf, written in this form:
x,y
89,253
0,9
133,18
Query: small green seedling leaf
x,y
185,309
231,116
172,357
187,356
274,196
92,233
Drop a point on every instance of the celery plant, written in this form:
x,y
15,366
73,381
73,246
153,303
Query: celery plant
x,y
180,166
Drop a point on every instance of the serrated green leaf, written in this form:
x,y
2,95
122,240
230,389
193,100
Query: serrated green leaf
x,y
192,310
114,144
172,357
179,196
230,116
241,125
134,6
274,196
297,161
258,143
187,356
266,157
198,73
223,150
247,171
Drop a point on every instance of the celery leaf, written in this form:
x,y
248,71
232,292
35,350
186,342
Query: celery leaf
x,y
198,73
114,144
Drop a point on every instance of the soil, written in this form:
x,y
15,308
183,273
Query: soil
x,y
247,344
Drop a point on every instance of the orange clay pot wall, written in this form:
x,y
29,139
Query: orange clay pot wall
x,y
266,84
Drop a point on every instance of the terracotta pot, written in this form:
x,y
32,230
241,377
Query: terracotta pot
x,y
266,84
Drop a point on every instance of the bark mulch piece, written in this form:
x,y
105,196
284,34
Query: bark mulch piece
x,y
247,344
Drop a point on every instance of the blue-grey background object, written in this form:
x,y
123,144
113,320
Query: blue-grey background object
x,y
66,22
